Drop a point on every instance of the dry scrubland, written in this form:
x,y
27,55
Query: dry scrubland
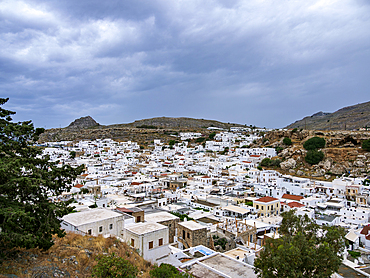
x,y
72,256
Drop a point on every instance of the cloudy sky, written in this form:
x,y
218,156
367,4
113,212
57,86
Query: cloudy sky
x,y
261,62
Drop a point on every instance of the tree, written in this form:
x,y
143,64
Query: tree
x,y
314,156
314,143
212,135
111,266
166,271
72,154
287,141
366,145
265,162
304,249
28,218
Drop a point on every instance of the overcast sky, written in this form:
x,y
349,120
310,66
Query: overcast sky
x,y
261,62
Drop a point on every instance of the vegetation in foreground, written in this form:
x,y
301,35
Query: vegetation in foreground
x,y
71,256
304,249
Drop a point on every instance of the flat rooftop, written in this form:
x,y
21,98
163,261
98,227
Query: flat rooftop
x,y
90,216
160,216
192,225
145,228
230,267
236,252
236,209
200,271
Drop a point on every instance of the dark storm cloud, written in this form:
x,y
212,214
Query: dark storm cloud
x,y
258,62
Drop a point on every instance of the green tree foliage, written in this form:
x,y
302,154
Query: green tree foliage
x,y
167,271
267,162
279,149
200,139
111,266
72,154
212,135
314,156
366,145
304,249
287,141
220,241
27,180
314,143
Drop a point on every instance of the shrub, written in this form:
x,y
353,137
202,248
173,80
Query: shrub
x,y
366,145
265,162
279,149
112,266
212,135
314,143
287,141
259,168
166,271
249,203
354,254
314,157
275,162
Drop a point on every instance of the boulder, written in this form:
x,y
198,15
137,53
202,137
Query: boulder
x,y
288,164
359,163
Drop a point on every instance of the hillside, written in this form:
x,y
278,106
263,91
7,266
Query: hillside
x,y
342,153
142,131
348,118
72,256
176,123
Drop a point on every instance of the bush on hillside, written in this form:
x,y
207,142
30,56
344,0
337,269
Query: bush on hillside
x,y
287,141
366,145
314,157
314,143
113,266
167,271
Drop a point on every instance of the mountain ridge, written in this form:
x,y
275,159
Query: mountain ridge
x,y
352,117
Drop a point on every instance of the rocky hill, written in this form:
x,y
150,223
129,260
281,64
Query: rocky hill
x,y
177,123
343,153
348,118
140,131
83,122
71,256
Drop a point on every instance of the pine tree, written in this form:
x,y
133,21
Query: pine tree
x,y
28,218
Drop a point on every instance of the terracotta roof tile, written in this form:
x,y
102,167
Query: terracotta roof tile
x,y
292,197
266,199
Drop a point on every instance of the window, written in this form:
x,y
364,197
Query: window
x,y
160,242
138,219
132,242
257,207
100,229
169,225
183,234
89,232
110,226
150,244
188,235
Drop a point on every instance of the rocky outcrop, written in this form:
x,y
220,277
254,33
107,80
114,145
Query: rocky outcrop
x,y
83,122
350,118
288,164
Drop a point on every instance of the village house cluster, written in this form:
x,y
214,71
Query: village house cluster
x,y
205,208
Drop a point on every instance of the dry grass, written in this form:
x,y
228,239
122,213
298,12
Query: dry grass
x,y
72,256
